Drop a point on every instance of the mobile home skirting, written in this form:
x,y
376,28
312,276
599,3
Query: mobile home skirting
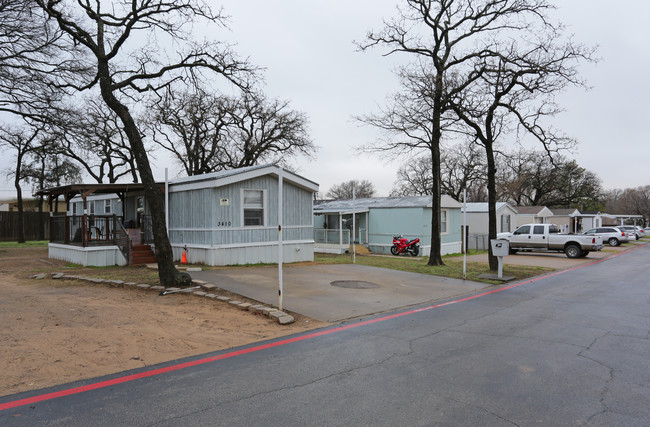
x,y
240,254
100,256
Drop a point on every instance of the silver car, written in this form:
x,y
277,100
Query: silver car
x,y
631,231
641,231
612,235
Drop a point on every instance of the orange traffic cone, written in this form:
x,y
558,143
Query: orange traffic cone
x,y
184,258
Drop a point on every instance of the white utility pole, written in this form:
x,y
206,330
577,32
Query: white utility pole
x,y
464,234
280,200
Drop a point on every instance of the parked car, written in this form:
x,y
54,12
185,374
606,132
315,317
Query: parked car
x,y
547,238
612,235
641,231
631,231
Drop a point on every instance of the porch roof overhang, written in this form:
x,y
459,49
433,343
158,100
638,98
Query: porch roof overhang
x,y
340,211
72,190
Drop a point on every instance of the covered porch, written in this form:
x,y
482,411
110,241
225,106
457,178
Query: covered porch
x,y
333,229
118,235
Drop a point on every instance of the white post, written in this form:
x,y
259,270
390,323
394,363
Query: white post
x,y
166,202
500,270
367,227
354,225
464,237
280,199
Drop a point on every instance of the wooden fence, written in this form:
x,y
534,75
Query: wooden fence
x,y
33,220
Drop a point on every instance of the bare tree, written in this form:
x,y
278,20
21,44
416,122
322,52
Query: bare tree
x,y
413,178
634,201
92,136
46,168
532,179
24,141
191,126
516,78
264,131
206,131
462,167
361,189
124,70
35,60
447,37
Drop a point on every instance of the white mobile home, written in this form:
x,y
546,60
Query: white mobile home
x,y
477,217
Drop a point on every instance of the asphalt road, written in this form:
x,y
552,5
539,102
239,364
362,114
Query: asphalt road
x,y
569,349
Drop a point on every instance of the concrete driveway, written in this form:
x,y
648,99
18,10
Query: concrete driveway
x,y
333,293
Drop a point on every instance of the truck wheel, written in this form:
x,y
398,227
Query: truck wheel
x,y
613,241
585,253
573,251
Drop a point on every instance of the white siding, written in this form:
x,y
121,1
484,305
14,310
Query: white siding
x,y
100,256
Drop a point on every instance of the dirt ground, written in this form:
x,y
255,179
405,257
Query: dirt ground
x,y
55,331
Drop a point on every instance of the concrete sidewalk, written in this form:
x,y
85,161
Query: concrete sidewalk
x,y
308,290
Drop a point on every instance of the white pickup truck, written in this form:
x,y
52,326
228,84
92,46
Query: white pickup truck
x,y
547,238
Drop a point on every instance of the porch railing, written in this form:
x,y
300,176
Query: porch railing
x,y
122,241
96,230
331,236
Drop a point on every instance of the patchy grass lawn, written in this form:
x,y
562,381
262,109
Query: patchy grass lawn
x,y
453,266
28,244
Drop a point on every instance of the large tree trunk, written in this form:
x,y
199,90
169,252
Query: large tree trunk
x,y
19,201
435,257
492,204
167,272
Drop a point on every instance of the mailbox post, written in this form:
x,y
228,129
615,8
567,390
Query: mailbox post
x,y
500,248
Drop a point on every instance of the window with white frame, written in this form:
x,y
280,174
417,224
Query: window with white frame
x,y
253,208
443,221
91,207
107,206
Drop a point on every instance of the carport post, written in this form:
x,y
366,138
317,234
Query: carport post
x,y
280,184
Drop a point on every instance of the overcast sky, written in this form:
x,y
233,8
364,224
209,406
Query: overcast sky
x,y
307,50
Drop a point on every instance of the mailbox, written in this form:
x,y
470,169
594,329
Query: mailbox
x,y
500,247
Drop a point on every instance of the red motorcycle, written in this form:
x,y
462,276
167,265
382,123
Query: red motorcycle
x,y
401,245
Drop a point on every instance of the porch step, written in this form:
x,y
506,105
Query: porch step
x,y
142,254
360,249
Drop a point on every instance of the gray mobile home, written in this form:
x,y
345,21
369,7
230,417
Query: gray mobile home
x,y
231,217
222,218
